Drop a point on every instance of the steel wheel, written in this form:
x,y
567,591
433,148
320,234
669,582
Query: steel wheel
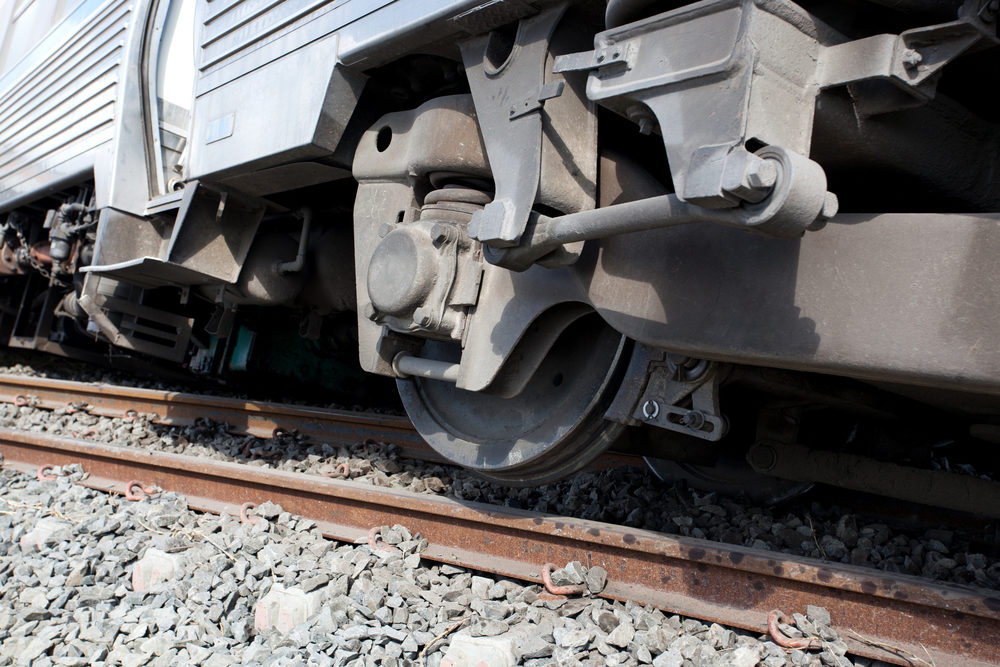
x,y
551,429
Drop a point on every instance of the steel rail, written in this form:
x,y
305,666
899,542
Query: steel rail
x,y
920,620
257,418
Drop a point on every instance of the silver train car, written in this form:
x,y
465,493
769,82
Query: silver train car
x,y
717,233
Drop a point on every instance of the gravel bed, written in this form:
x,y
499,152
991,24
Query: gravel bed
x,y
70,600
624,496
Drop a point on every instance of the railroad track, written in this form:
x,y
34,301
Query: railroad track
x,y
258,418
895,617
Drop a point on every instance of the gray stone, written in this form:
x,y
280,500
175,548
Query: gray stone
x,y
818,615
670,658
135,659
355,632
219,660
621,635
480,587
156,645
529,645
807,627
312,583
34,597
496,591
199,654
467,650
572,638
744,656
573,573
834,660
605,620
487,628
719,637
35,647
494,610
596,579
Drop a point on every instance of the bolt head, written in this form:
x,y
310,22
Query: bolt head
x,y
762,174
693,419
830,206
421,317
912,58
748,177
762,457
640,114
440,233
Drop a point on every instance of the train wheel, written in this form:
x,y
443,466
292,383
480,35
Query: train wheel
x,y
729,476
554,427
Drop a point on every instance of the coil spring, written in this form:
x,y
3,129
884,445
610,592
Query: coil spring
x,y
454,202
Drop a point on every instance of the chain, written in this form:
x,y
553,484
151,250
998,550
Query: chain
x,y
34,263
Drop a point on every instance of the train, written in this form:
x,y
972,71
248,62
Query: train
x,y
755,241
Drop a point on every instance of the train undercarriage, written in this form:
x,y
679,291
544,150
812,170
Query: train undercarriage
x,y
755,242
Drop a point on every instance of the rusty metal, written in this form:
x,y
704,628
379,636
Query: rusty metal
x,y
257,418
375,544
41,253
779,637
245,514
342,471
737,586
9,261
136,490
41,474
569,589
949,490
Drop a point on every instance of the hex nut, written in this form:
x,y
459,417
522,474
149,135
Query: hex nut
x,y
762,174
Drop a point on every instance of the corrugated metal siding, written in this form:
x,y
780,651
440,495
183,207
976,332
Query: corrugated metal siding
x,y
64,106
239,36
234,28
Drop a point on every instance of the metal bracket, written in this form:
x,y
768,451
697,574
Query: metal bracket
x,y
508,98
606,56
534,102
671,383
909,60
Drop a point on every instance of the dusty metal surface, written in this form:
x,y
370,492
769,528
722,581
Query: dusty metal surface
x,y
257,418
732,585
947,490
